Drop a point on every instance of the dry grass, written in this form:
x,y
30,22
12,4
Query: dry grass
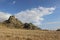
x,y
20,34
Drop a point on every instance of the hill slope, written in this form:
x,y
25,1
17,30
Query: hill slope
x,y
19,34
13,29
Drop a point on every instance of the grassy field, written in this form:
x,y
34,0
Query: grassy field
x,y
20,34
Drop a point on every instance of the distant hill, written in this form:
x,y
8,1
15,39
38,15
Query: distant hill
x,y
58,30
13,22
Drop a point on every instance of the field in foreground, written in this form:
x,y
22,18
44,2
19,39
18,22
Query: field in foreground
x,y
19,34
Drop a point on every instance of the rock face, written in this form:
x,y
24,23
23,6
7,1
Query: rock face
x,y
13,22
30,26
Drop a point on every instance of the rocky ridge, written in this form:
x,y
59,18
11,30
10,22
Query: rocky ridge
x,y
13,22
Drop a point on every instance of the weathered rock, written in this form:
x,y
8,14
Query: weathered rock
x,y
30,26
13,22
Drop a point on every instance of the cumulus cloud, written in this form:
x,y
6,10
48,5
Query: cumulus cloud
x,y
34,15
4,16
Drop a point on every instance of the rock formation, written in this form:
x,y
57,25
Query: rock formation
x,y
13,22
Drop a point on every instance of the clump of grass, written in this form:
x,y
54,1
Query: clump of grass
x,y
17,38
8,36
28,39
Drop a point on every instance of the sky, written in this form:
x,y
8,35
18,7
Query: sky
x,y
42,13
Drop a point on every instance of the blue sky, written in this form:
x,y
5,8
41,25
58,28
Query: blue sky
x,y
9,6
15,7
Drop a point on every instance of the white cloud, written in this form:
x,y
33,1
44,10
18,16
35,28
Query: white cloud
x,y
52,23
14,2
4,16
34,15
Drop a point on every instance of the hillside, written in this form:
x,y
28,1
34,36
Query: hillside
x,y
13,29
19,34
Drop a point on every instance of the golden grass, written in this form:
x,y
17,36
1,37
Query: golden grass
x,y
20,34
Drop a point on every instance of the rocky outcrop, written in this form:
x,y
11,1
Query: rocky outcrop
x,y
30,26
13,22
